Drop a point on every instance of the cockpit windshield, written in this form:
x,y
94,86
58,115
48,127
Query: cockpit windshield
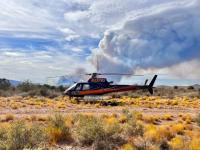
x,y
72,87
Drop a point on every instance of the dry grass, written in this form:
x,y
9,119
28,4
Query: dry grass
x,y
128,130
104,130
8,117
63,102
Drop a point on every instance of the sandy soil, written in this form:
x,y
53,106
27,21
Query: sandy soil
x,y
102,110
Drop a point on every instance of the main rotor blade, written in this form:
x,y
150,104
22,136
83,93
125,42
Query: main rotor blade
x,y
58,76
121,74
117,74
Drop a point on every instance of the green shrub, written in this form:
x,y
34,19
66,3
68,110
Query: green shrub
x,y
133,129
36,136
3,137
26,86
4,84
2,145
198,119
104,144
175,87
20,136
190,87
44,92
89,129
58,131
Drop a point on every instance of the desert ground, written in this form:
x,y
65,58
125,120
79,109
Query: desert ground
x,y
125,122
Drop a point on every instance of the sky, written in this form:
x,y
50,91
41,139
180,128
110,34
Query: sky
x,y
40,39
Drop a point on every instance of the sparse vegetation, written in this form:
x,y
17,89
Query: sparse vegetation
x,y
99,132
157,122
27,88
57,129
89,129
19,136
198,119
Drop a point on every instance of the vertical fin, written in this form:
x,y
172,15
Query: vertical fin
x,y
150,87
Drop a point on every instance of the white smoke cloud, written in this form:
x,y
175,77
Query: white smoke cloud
x,y
185,70
136,34
158,37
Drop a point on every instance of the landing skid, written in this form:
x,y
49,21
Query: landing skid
x,y
100,100
95,98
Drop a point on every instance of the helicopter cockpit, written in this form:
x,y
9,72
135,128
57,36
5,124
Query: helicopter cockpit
x,y
86,86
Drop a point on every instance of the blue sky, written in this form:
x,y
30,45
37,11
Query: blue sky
x,y
46,38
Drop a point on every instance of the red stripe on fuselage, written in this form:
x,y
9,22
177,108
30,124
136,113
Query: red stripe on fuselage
x,y
107,90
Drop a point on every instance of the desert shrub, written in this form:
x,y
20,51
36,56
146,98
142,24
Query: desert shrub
x,y
61,88
154,147
44,92
111,126
175,87
36,136
177,143
4,84
57,130
20,136
138,115
26,86
177,128
104,144
164,132
2,134
100,132
167,117
194,144
9,117
47,91
132,128
164,145
197,119
150,119
4,93
89,129
3,138
128,146
157,134
151,133
52,94
127,113
190,87
32,93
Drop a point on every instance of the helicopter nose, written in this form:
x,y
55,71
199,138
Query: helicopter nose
x,y
67,92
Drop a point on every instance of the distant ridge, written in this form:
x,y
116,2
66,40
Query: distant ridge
x,y
196,85
12,82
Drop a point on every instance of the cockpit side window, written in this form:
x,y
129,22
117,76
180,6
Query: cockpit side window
x,y
78,87
86,86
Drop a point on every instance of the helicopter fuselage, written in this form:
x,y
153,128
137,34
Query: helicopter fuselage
x,y
100,86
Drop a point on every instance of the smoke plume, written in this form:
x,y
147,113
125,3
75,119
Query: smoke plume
x,y
158,37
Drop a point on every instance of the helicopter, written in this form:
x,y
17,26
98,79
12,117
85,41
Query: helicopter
x,y
97,86
100,86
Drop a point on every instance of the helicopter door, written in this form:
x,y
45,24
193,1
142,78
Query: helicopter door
x,y
86,86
